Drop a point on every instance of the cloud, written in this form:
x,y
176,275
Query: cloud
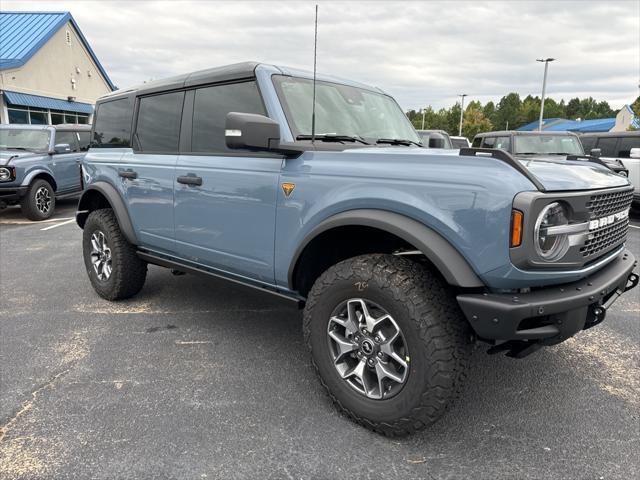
x,y
420,52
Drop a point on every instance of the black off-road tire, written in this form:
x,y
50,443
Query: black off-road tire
x,y
436,332
128,271
29,203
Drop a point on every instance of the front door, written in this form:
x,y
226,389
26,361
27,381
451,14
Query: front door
x,y
225,200
66,166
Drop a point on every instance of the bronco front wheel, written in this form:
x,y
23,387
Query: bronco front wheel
x,y
388,341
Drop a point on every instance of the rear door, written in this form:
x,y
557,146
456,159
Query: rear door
x,y
66,166
225,200
147,171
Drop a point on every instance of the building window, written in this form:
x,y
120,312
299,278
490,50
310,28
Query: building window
x,y
42,116
18,116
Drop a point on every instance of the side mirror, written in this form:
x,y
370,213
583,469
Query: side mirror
x,y
62,148
254,132
595,152
634,153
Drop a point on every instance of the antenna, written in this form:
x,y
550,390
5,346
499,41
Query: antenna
x,y
313,108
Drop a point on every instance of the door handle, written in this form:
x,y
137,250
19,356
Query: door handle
x,y
130,174
190,180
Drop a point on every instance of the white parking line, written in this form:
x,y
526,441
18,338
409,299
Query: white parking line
x,y
29,222
634,226
58,225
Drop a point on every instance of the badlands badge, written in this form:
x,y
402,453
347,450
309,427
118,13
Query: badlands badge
x,y
288,188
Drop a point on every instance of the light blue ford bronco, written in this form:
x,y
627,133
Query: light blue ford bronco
x,y
39,163
402,257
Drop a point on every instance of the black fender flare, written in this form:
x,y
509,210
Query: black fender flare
x,y
451,264
117,205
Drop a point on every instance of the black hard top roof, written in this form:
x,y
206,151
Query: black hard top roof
x,y
210,75
633,133
505,133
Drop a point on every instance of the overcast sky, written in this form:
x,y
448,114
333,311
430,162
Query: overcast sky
x,y
420,52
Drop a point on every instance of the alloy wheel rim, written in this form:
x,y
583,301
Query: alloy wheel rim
x,y
368,349
43,200
100,256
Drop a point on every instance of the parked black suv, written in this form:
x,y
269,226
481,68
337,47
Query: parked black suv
x,y
611,144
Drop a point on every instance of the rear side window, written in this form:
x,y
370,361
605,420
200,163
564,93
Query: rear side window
x,y
85,137
158,125
625,146
70,138
112,125
476,142
608,146
211,105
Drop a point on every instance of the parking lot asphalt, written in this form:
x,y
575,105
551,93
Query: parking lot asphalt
x,y
198,379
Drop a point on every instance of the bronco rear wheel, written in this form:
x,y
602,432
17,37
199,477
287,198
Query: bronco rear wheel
x,y
114,269
388,341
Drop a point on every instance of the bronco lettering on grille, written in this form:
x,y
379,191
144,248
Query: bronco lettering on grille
x,y
608,220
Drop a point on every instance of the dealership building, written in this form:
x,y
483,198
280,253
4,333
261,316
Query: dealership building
x,y
48,72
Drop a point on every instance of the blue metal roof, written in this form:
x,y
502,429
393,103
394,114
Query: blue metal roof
x,y
596,125
22,34
562,125
529,127
24,100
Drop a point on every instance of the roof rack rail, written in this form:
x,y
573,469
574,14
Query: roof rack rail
x,y
504,156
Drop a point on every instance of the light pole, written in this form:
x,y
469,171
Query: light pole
x,y
461,113
544,87
424,110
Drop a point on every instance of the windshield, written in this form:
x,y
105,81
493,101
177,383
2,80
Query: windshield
x,y
563,144
18,139
342,110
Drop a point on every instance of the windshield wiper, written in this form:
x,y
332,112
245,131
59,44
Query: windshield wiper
x,y
398,141
330,137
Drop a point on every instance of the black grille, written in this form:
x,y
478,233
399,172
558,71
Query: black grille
x,y
604,238
607,203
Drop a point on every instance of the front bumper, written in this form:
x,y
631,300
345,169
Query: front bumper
x,y
11,194
550,315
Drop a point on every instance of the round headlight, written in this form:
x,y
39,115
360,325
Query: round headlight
x,y
5,174
549,245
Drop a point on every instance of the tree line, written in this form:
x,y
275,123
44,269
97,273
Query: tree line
x,y
510,113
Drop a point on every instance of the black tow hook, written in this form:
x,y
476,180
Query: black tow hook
x,y
632,282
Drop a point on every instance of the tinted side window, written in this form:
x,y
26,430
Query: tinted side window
x,y
85,137
489,142
158,126
210,109
608,146
476,142
112,125
70,138
626,144
503,143
588,143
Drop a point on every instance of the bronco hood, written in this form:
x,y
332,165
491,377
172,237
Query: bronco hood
x,y
10,156
559,174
